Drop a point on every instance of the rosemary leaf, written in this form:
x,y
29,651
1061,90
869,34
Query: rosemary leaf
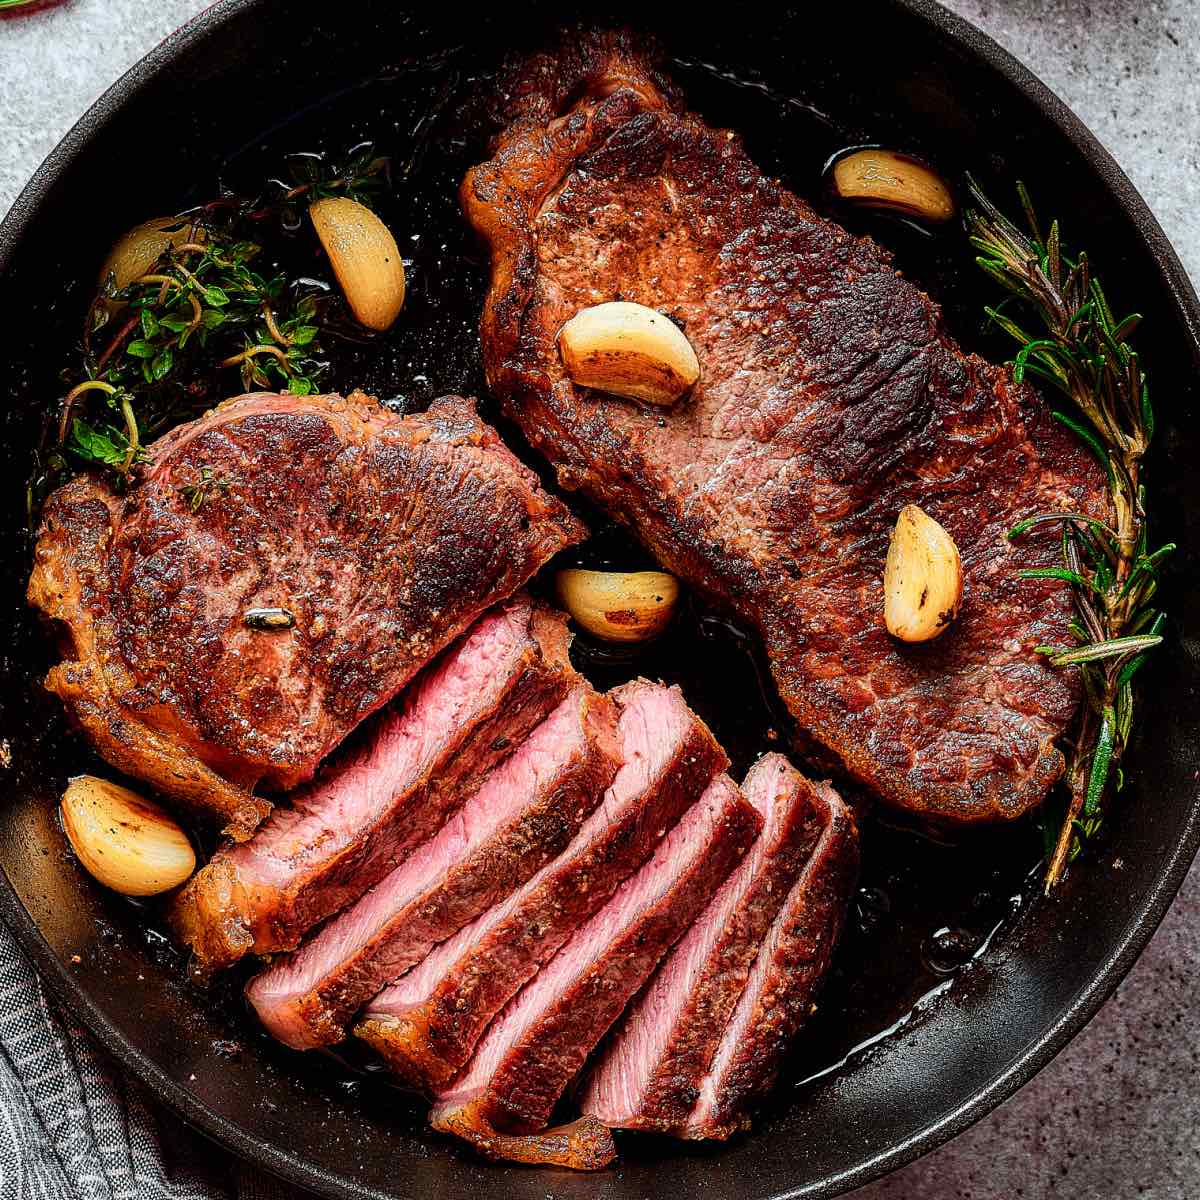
x,y
1055,573
1092,442
1010,327
1124,714
1023,527
1113,648
1101,760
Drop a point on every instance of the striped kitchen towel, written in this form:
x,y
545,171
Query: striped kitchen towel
x,y
73,1126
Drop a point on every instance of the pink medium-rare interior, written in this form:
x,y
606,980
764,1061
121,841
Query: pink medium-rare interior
x,y
652,723
500,801
616,1090
759,973
640,892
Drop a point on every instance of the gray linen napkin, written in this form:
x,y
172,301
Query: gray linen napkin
x,y
73,1126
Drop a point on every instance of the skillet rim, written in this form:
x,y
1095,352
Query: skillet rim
x,y
1141,924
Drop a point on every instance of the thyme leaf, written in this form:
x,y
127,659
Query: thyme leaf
x,y
195,494
104,444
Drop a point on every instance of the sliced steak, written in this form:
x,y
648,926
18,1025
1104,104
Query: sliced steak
x,y
541,1039
382,536
526,812
650,1073
427,1024
418,763
830,396
788,970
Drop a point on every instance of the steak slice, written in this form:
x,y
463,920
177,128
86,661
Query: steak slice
x,y
526,812
830,396
541,1039
787,972
427,1024
384,537
346,831
650,1073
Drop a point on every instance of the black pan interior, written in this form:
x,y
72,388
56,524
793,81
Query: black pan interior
x,y
255,80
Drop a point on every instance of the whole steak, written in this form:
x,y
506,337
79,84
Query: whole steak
x,y
382,536
830,396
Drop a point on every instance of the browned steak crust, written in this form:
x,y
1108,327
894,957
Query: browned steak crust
x,y
830,396
385,536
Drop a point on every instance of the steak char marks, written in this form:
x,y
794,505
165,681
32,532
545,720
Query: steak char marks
x,y
830,396
383,536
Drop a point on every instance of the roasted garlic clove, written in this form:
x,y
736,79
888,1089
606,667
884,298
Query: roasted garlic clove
x,y
619,606
889,180
922,581
140,248
124,841
628,350
365,259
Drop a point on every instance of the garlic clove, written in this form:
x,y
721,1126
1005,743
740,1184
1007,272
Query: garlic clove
x,y
136,251
124,841
922,580
628,350
897,182
619,606
364,257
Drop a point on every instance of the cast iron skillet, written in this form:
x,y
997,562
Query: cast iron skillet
x,y
903,71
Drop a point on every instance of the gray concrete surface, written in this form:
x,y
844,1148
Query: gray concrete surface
x,y
1117,1115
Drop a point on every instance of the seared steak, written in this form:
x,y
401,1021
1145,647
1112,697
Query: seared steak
x,y
427,1024
539,1042
525,813
393,791
382,536
830,396
583,1145
650,1073
787,972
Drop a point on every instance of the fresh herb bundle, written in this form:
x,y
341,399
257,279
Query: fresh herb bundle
x,y
1082,351
159,348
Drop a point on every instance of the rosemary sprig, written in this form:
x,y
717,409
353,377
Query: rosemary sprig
x,y
1081,350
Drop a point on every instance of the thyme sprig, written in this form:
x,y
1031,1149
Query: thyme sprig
x,y
149,347
155,350
1081,350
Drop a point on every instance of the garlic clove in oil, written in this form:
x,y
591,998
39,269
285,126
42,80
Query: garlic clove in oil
x,y
136,251
364,257
619,606
886,179
628,350
124,841
922,580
